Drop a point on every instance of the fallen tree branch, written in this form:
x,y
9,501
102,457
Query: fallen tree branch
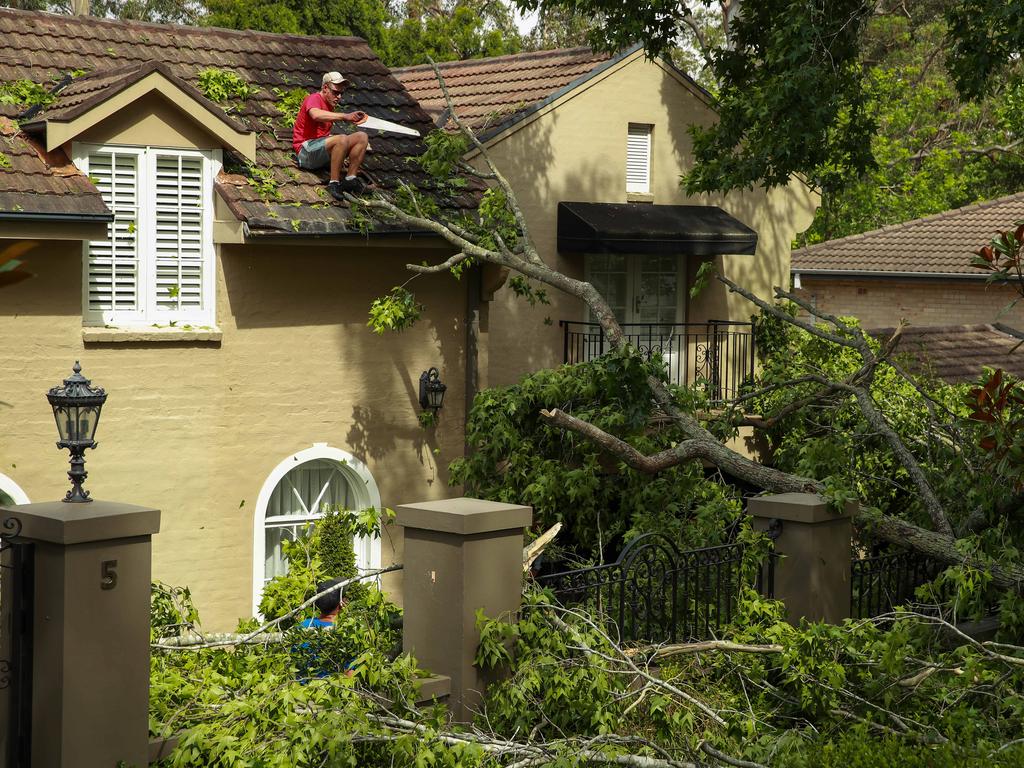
x,y
534,549
726,646
249,637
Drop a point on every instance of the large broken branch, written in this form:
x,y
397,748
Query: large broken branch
x,y
708,449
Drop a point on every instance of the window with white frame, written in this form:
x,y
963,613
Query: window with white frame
x,y
10,491
295,496
156,265
638,158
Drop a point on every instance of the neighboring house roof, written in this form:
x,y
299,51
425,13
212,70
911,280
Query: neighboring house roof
x,y
492,94
958,353
38,184
939,245
45,47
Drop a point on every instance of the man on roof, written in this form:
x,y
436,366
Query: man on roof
x,y
316,147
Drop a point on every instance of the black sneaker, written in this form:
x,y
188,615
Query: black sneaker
x,y
354,186
336,190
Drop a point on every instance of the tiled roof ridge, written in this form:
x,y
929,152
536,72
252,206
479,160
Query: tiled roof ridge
x,y
186,28
521,56
951,213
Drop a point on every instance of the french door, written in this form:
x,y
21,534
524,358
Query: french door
x,y
640,289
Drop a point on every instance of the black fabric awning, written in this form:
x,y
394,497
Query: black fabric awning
x,y
697,230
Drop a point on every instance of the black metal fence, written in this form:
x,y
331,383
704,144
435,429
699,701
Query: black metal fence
x,y
880,583
656,593
718,353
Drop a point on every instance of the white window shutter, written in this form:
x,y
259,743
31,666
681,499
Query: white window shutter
x,y
638,158
178,238
113,264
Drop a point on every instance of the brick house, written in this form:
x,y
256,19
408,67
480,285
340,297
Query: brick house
x,y
594,146
919,270
216,292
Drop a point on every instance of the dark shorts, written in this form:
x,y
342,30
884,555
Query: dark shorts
x,y
313,154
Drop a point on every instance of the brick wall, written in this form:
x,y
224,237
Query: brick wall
x,y
882,303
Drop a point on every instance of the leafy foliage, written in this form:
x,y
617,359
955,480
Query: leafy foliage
x,y
323,552
450,31
396,311
965,439
517,457
986,37
288,103
826,696
934,149
790,99
25,93
221,85
264,181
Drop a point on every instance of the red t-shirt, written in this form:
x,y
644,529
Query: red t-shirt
x,y
306,127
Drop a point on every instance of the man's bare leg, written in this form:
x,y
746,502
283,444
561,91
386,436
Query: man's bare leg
x,y
356,151
338,149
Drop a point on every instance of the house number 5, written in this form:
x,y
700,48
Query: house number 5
x,y
108,572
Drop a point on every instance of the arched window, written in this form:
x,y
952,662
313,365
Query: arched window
x,y
295,495
10,492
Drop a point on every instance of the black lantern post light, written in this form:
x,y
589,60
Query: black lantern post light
x,y
431,391
76,408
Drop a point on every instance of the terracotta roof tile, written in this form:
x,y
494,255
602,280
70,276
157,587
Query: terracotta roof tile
x,y
958,353
34,182
499,90
44,47
939,244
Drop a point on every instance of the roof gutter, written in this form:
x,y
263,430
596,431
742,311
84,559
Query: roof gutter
x,y
77,218
878,275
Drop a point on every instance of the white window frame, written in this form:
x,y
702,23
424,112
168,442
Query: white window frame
x,y
12,489
148,312
364,490
639,135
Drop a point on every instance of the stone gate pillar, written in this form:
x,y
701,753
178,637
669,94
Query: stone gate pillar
x,y
77,693
460,555
812,576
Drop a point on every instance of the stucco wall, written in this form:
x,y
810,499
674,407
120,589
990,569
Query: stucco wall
x,y
576,151
883,303
195,428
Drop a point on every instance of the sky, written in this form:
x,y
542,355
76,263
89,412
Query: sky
x,y
526,21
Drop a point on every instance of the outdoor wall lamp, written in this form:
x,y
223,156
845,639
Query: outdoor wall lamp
x,y
76,409
431,390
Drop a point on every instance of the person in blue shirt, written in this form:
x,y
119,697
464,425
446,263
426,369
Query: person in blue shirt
x,y
328,606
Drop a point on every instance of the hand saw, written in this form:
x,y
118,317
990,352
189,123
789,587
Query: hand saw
x,y
386,125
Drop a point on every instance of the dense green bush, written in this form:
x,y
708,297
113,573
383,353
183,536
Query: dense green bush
x,y
518,458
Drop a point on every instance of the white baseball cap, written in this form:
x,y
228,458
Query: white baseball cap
x,y
334,78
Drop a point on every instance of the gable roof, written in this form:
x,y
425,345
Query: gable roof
x,y
493,94
81,98
939,245
958,353
45,47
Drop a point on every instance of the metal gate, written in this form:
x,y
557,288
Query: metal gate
x,y
17,568
655,592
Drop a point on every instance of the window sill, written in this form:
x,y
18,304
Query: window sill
x,y
639,197
147,335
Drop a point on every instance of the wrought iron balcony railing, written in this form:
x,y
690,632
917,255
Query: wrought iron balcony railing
x,y
718,353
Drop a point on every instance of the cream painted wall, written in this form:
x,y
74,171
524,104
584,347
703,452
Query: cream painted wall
x,y
195,428
576,151
152,121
